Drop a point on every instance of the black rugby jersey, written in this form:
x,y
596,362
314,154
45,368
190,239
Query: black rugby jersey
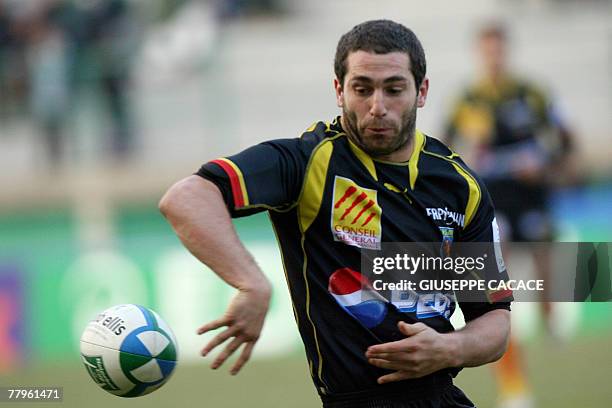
x,y
328,200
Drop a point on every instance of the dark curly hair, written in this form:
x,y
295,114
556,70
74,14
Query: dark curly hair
x,y
381,37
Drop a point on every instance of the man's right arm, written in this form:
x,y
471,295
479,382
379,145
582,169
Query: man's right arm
x,y
200,207
198,214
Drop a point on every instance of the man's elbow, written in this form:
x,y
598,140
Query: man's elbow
x,y
170,199
181,194
500,351
190,194
505,338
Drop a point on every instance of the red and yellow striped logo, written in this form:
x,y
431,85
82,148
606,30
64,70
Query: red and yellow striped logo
x,y
355,215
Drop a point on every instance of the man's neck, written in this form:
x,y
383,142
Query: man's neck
x,y
401,155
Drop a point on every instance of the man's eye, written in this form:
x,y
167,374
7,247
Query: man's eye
x,y
360,90
394,91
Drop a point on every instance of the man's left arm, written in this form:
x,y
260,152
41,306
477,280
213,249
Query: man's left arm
x,y
484,338
424,350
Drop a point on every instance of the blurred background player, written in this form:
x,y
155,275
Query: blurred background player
x,y
74,45
13,87
510,132
54,54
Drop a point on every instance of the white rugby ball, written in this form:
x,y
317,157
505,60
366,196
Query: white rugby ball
x,y
128,350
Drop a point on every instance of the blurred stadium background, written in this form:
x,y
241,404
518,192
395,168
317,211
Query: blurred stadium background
x,y
105,103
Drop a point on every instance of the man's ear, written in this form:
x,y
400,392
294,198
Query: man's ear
x,y
339,93
423,90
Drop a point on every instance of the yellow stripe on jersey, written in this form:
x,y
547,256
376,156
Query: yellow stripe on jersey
x,y
392,188
309,204
474,196
413,162
312,127
364,158
314,328
314,183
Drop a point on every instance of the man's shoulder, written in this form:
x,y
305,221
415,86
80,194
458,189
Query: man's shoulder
x,y
531,85
480,88
437,147
320,132
445,168
316,134
440,153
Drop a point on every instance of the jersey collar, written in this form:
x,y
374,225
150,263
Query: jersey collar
x,y
368,161
413,161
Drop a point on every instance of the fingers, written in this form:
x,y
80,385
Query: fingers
x,y
392,347
389,365
242,327
404,369
403,345
218,339
399,356
411,329
228,351
239,339
215,324
400,346
396,376
244,357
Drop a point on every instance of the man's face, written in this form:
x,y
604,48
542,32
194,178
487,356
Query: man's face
x,y
492,50
379,101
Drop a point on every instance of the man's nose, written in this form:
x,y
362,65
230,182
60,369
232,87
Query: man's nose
x,y
378,108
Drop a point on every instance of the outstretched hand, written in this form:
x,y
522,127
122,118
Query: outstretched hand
x,y
422,352
243,320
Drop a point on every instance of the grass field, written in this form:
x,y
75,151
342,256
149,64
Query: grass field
x,y
572,375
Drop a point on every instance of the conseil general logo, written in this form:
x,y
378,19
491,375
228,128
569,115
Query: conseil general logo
x,y
355,218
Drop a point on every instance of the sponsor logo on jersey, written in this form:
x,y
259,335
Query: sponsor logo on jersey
x,y
447,241
355,218
355,294
448,217
424,305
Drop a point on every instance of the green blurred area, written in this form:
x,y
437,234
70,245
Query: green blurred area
x,y
45,244
561,375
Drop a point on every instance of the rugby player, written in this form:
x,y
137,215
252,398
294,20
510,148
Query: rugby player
x,y
362,179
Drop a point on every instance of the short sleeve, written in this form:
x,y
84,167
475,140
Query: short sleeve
x,y
267,176
484,233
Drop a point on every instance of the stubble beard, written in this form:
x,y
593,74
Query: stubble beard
x,y
400,139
